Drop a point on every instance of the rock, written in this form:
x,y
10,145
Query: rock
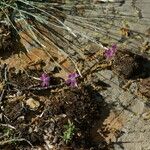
x,y
133,87
91,49
138,107
33,104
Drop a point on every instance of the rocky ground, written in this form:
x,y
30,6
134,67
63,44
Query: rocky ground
x,y
110,109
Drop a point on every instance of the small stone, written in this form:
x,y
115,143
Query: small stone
x,y
138,108
133,87
55,140
33,104
30,130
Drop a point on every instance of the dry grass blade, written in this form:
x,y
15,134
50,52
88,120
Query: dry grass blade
x,y
15,140
8,126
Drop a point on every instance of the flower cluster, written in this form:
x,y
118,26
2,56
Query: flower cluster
x,y
110,52
71,81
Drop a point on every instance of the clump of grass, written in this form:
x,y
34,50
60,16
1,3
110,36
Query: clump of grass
x,y
62,24
69,132
33,18
17,11
50,15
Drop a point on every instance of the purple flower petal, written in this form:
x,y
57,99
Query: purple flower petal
x,y
73,84
73,75
72,79
114,48
68,81
45,79
44,84
110,52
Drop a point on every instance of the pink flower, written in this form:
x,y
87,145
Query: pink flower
x,y
72,79
110,52
45,79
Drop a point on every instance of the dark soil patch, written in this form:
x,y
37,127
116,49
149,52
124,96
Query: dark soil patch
x,y
5,40
9,42
131,66
56,107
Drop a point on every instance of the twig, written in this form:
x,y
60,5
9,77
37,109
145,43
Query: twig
x,y
35,88
5,74
7,125
79,72
5,79
2,95
15,140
